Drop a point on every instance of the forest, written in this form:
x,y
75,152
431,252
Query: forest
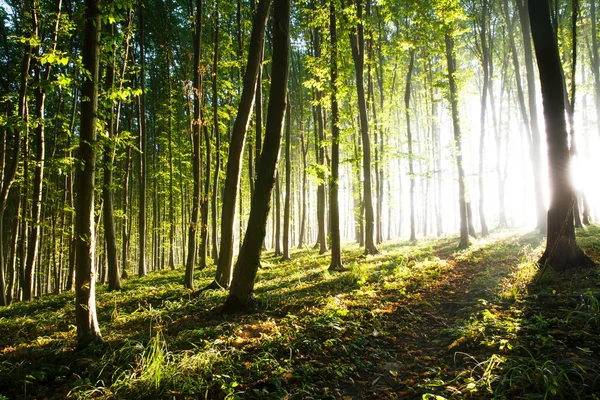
x,y
332,199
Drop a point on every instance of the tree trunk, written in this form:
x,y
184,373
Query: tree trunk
x,y
358,45
110,235
142,268
562,251
88,330
249,258
485,51
36,198
334,211
236,145
462,184
595,61
9,170
196,150
217,134
411,170
304,150
288,184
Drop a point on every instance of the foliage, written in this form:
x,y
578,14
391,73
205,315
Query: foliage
x,y
420,320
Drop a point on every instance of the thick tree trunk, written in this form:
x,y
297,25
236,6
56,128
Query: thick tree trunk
x,y
462,184
248,262
88,330
236,145
334,212
357,44
562,251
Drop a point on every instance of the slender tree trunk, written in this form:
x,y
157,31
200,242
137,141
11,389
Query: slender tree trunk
x,y
595,61
36,198
110,234
411,170
9,170
236,145
217,134
88,330
462,184
358,46
288,183
249,258
70,188
334,212
277,216
562,250
304,150
320,153
482,120
196,164
142,267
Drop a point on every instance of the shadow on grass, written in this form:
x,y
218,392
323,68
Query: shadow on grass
x,y
393,324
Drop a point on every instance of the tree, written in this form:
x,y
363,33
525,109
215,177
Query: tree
x,y
288,183
236,145
411,171
142,268
196,164
357,43
242,285
462,184
562,250
334,212
110,235
88,330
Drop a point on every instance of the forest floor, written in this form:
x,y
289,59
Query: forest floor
x,y
419,320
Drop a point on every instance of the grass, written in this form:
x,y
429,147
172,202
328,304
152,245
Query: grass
x,y
418,320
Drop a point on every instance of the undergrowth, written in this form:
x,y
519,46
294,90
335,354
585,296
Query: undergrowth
x,y
418,320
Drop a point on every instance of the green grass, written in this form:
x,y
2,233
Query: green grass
x,y
418,320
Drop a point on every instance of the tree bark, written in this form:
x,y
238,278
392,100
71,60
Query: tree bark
x,y
88,330
595,61
9,170
334,211
110,235
358,46
485,55
562,250
462,184
411,170
236,145
196,150
142,268
217,134
249,258
288,183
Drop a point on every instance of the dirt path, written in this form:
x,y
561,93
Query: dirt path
x,y
414,342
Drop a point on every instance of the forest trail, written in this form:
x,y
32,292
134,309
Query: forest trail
x,y
414,347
